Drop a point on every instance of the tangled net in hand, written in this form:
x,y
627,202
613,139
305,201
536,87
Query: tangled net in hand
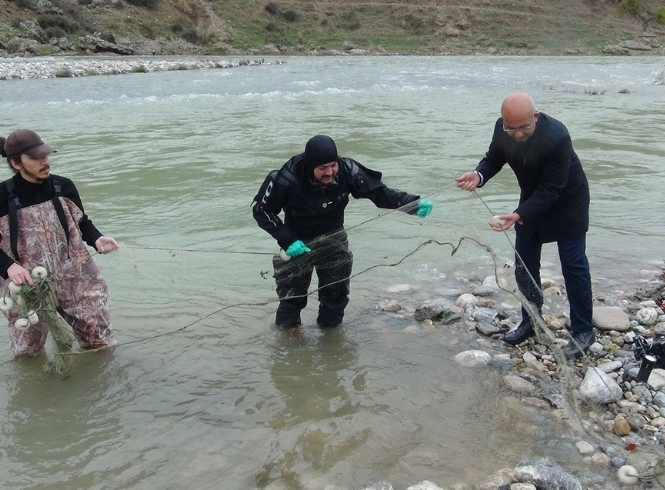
x,y
38,302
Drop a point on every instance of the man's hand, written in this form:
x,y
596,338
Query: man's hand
x,y
106,244
297,248
504,221
19,275
424,207
468,181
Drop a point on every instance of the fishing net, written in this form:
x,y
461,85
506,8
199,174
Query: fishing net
x,y
464,260
38,303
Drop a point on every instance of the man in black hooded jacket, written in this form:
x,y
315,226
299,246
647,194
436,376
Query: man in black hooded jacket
x,y
312,189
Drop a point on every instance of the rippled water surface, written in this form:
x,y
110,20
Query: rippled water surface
x,y
202,392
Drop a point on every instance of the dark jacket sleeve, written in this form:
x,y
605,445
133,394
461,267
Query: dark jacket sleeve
x,y
367,184
268,203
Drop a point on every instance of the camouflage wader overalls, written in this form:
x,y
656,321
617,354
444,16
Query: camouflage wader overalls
x,y
79,287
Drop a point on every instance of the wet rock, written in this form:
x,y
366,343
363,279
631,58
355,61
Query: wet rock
x,y
553,291
659,399
494,482
647,317
546,474
486,315
473,358
643,393
600,459
466,299
390,305
610,318
518,384
532,361
584,447
553,323
400,288
636,421
487,329
608,367
432,309
425,485
484,291
656,379
599,387
378,486
491,281
621,426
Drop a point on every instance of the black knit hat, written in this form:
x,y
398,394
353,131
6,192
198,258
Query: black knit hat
x,y
319,150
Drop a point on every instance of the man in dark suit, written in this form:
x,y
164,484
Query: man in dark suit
x,y
553,207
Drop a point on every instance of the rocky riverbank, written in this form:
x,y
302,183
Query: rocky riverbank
x,y
24,69
615,412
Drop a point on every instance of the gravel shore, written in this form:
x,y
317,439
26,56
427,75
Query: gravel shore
x,y
11,69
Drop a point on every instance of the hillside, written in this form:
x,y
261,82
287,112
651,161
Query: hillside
x,y
256,27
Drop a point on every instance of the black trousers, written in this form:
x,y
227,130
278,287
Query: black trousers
x,y
333,261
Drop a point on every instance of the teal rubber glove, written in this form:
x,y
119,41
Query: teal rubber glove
x,y
424,207
297,248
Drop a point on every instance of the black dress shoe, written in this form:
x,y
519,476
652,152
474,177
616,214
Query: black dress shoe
x,y
579,344
520,334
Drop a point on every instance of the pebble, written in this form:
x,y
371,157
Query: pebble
x,y
608,397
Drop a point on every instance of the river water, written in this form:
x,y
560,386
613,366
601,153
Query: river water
x,y
201,392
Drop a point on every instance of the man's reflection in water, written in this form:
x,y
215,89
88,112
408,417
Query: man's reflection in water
x,y
316,372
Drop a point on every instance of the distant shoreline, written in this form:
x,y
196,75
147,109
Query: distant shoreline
x,y
21,68
82,67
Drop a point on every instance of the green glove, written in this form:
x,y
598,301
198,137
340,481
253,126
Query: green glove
x,y
424,207
297,248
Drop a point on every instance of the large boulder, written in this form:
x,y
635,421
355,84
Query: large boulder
x,y
610,318
598,387
97,45
31,30
546,474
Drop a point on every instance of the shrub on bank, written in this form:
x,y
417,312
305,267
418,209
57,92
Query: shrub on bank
x,y
272,8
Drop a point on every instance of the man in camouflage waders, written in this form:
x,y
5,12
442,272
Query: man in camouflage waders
x,y
42,223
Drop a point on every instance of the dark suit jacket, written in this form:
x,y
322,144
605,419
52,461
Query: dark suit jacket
x,y
554,192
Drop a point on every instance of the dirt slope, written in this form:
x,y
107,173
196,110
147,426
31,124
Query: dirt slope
x,y
380,26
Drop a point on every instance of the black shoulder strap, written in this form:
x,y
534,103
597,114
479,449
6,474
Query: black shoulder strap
x,y
58,207
14,206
